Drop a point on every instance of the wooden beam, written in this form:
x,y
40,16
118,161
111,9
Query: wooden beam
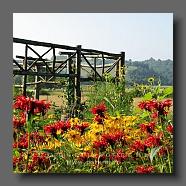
x,y
15,72
89,54
37,43
100,52
98,66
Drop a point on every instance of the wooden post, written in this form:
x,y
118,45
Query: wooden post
x,y
71,92
37,86
54,60
117,71
25,68
78,66
103,68
122,71
122,64
95,69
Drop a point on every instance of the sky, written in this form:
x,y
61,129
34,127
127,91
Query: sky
x,y
140,35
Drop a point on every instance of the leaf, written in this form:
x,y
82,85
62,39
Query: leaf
x,y
106,99
16,153
168,91
153,153
144,115
147,96
48,151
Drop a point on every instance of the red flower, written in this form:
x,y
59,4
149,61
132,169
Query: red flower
x,y
113,138
99,109
148,105
36,137
59,125
154,115
40,160
20,121
152,141
157,107
167,103
84,156
101,157
138,146
170,128
82,127
99,119
17,160
102,145
120,156
147,127
144,169
162,151
31,105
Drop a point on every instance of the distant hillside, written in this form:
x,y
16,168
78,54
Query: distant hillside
x,y
139,71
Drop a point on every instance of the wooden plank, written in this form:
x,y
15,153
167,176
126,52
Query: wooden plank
x,y
91,66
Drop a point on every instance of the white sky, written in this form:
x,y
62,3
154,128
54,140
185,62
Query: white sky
x,y
140,35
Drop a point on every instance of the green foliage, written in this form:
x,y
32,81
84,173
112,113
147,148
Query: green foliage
x,y
152,91
16,91
117,100
139,71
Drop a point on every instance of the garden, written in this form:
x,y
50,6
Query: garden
x,y
108,133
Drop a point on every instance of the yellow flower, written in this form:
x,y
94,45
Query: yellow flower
x,y
58,132
74,121
73,135
51,116
87,148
